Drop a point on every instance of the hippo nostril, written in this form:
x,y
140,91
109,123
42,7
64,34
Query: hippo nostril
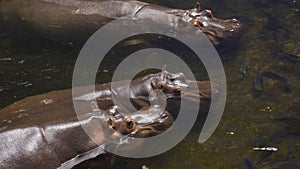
x,y
163,115
178,89
110,122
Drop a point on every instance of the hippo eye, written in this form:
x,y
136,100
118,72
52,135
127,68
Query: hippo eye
x,y
129,124
172,79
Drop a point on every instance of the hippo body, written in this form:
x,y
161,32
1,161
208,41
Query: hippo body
x,y
49,145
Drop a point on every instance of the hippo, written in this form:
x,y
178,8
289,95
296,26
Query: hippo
x,y
143,90
59,144
76,20
44,130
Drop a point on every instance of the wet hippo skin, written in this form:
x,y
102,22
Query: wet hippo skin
x,y
33,110
46,126
52,144
76,20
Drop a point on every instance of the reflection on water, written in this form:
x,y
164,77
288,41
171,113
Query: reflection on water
x,y
267,118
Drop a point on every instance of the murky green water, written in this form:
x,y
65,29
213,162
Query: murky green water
x,y
31,66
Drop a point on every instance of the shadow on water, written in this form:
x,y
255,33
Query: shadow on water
x,y
30,65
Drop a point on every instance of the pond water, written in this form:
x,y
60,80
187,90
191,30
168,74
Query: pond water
x,y
268,118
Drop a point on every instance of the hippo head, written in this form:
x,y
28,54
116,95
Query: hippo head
x,y
144,123
172,84
175,85
166,85
215,29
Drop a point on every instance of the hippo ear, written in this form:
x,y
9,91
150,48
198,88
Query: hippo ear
x,y
164,68
197,7
163,73
110,122
162,76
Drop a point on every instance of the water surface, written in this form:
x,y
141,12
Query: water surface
x,y
270,118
